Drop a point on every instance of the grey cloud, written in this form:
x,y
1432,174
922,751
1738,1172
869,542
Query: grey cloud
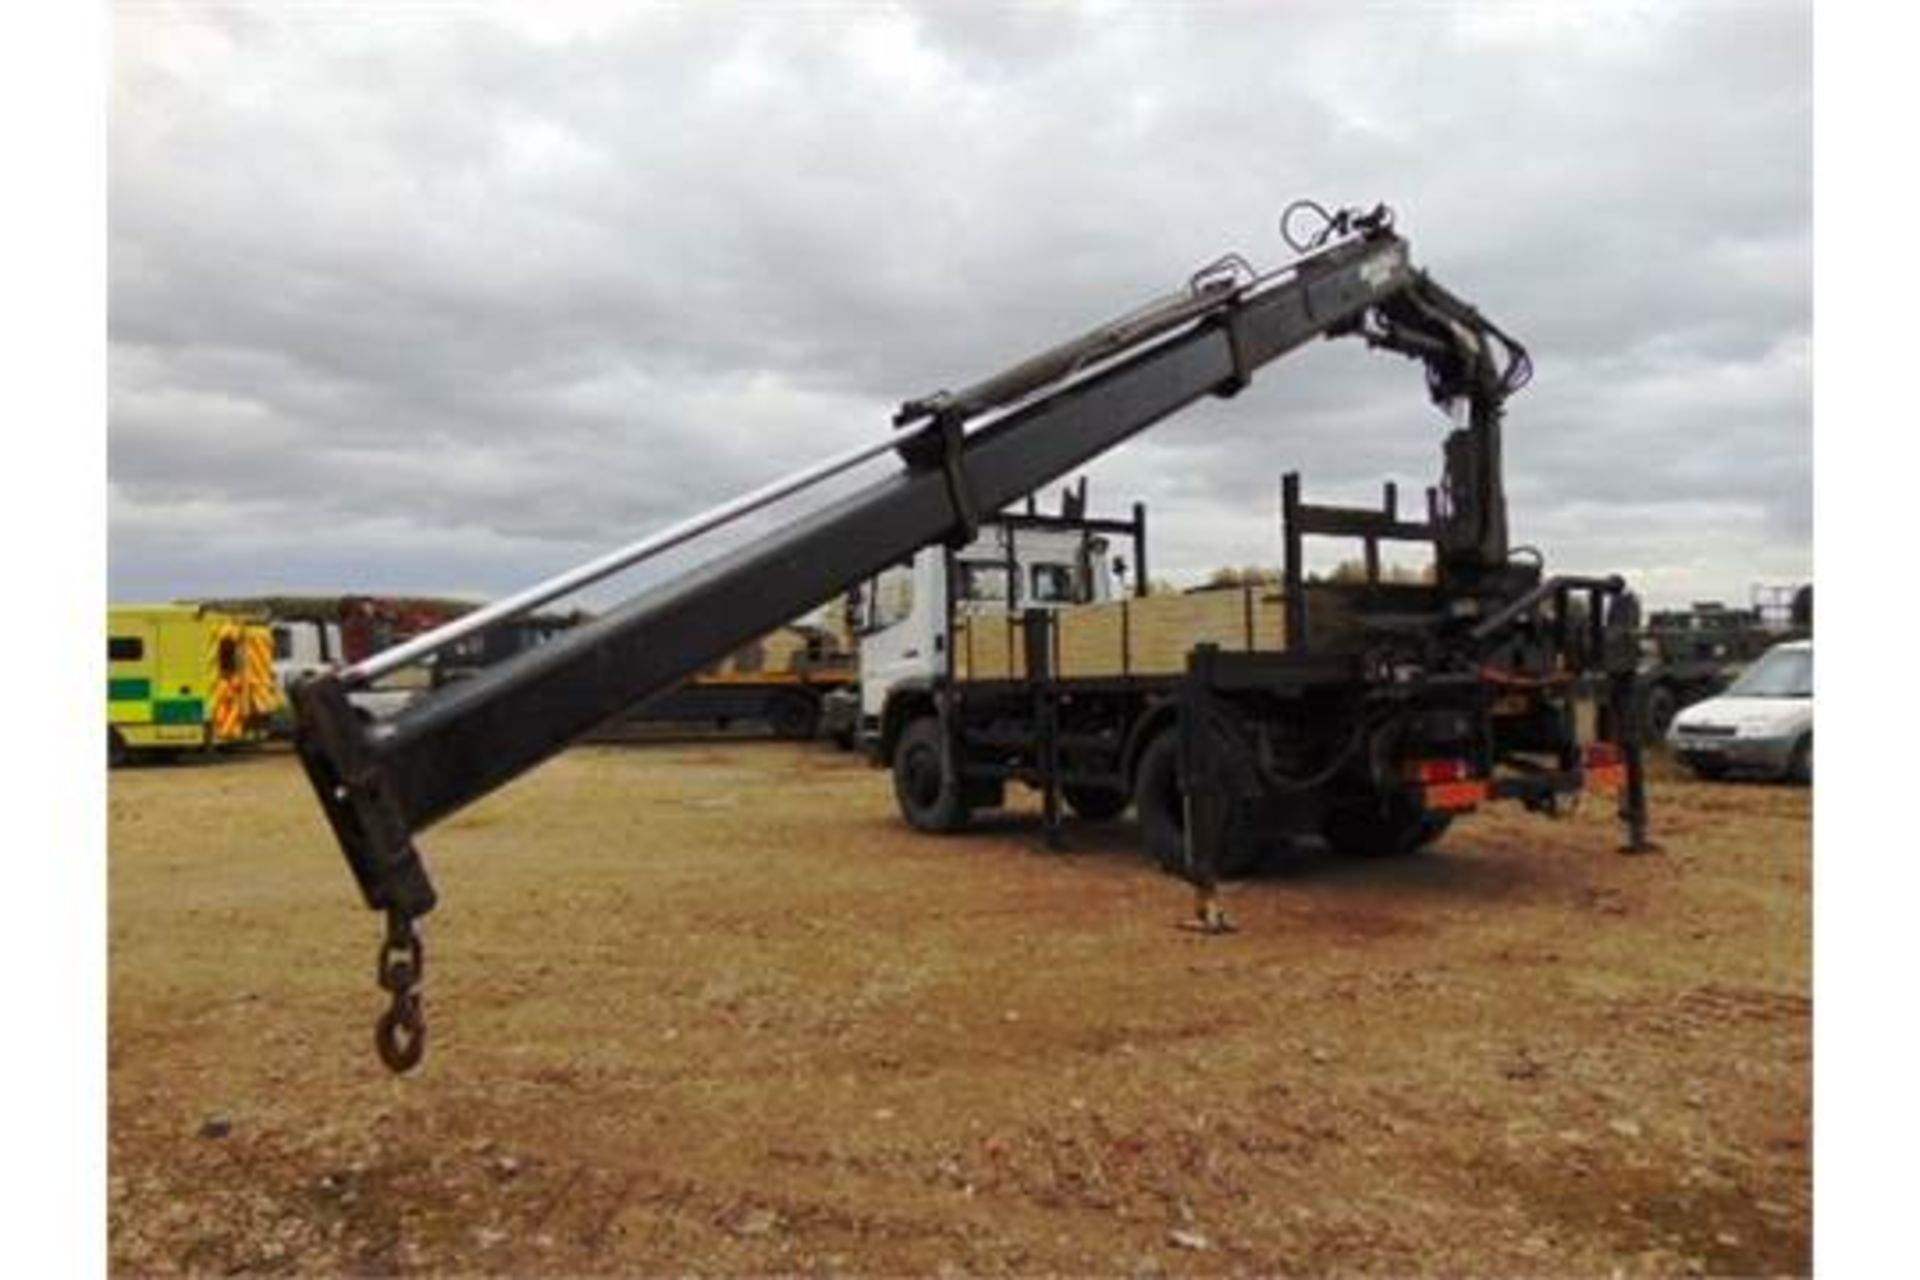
x,y
389,290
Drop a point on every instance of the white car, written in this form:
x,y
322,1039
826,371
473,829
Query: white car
x,y
1762,723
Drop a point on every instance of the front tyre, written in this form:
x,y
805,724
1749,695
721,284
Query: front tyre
x,y
930,798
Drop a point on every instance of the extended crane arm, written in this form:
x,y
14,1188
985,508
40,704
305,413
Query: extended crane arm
x,y
383,782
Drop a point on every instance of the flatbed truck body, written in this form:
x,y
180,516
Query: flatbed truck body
x,y
1092,701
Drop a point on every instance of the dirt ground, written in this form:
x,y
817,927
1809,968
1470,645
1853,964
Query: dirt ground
x,y
710,1008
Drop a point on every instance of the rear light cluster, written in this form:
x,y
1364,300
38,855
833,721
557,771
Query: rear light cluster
x,y
1446,786
1606,767
1429,772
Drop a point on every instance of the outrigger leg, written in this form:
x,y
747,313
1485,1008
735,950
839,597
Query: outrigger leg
x,y
1629,718
1204,799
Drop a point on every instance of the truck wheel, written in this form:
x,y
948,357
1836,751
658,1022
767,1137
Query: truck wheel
x,y
117,753
929,800
795,715
1800,764
1095,804
1361,829
1160,800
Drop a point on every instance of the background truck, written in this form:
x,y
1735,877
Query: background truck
x,y
312,634
782,680
184,677
467,657
1365,724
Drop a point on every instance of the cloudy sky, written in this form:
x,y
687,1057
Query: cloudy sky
x,y
446,298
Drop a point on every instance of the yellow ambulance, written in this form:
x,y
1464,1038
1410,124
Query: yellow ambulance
x,y
185,677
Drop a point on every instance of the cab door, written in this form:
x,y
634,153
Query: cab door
x,y
902,616
182,680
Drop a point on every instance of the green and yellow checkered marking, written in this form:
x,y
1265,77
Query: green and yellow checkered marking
x,y
131,700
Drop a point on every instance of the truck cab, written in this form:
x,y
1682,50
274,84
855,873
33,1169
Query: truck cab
x,y
1016,564
304,647
307,647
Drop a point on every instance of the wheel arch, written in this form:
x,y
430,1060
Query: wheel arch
x,y
905,703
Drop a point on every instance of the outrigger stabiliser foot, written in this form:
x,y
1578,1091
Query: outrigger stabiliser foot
x,y
1209,916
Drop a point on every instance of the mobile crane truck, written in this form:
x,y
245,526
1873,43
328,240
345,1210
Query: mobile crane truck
x,y
1494,681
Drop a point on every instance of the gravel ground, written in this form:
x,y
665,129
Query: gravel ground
x,y
709,1007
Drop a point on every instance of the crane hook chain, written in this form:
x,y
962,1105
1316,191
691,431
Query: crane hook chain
x,y
401,1034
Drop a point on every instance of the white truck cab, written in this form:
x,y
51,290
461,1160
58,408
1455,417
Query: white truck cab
x,y
900,614
306,647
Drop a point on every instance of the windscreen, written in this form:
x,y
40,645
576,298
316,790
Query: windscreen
x,y
1784,673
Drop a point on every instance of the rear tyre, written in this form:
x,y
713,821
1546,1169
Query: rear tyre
x,y
1160,799
1161,803
1095,804
929,799
117,753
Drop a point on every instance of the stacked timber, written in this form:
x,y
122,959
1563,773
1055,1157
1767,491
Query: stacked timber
x,y
1138,636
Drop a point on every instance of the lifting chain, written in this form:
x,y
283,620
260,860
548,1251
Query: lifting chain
x,y
401,1034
